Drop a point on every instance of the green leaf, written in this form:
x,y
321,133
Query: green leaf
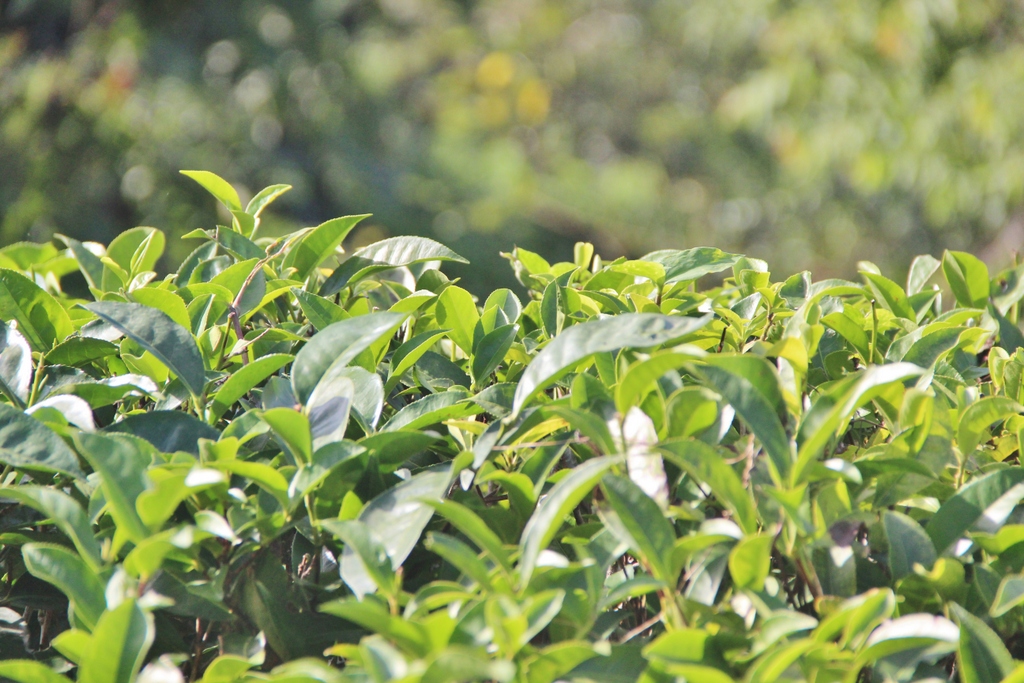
x,y
121,465
850,330
457,312
394,252
750,561
641,376
373,557
166,301
406,634
264,476
976,420
449,405
580,342
751,386
913,631
963,509
833,409
550,514
459,555
240,246
218,187
154,331
123,249
407,250
294,429
407,354
120,643
339,344
706,466
625,663
507,302
67,571
921,270
982,657
394,448
967,277
1009,595
638,520
27,443
319,311
66,514
368,399
929,348
15,365
462,663
29,671
396,518
475,529
245,379
891,295
41,319
88,262
491,350
908,544
148,252
549,309
319,244
264,197
329,406
690,264
78,351
168,430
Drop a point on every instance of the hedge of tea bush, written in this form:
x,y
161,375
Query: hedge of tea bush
x,y
286,463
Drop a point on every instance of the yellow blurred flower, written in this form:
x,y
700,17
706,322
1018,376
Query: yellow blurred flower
x,y
495,71
533,102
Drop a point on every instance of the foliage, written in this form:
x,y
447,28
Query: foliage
x,y
282,463
800,132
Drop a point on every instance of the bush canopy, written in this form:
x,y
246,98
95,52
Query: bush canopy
x,y
282,463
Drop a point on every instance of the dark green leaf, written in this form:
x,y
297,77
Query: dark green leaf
x,y
27,443
167,430
982,656
338,344
65,569
962,510
154,331
908,544
42,320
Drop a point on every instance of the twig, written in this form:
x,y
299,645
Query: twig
x,y
641,628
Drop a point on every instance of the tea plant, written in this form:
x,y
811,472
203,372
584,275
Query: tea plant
x,y
281,463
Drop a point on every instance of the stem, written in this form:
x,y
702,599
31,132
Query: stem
x,y
874,331
233,310
35,380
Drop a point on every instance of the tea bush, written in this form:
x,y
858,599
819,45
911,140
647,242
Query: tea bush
x,y
283,464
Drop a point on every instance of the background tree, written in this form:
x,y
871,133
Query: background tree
x,y
809,133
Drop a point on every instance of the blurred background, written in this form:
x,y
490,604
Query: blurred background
x,y
812,133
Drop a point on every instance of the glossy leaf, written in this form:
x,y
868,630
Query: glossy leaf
x,y
550,514
338,344
121,640
154,331
580,342
396,518
218,187
41,320
65,569
27,443
245,379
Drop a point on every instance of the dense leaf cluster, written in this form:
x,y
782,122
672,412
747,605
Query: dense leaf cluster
x,y
282,463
